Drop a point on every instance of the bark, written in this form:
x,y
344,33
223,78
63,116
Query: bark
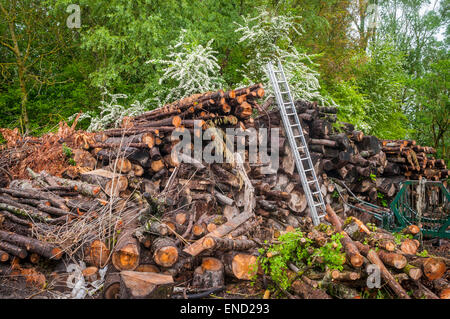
x,y
387,276
210,274
111,287
14,250
215,243
32,245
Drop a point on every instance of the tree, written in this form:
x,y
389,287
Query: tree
x,y
193,67
365,18
32,39
382,81
432,116
267,37
412,25
111,112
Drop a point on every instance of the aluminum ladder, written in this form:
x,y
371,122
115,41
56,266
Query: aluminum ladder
x,y
297,142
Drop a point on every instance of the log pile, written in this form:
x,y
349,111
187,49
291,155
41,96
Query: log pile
x,y
179,218
414,161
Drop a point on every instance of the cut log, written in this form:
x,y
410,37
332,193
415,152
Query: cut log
x,y
98,254
90,274
145,285
351,251
127,249
392,259
120,165
413,272
84,188
345,276
3,256
165,252
209,275
227,244
297,202
197,247
13,250
411,229
387,276
33,245
147,268
433,268
84,159
240,265
112,183
409,247
111,287
445,294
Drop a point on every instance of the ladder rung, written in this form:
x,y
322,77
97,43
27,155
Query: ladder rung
x,y
280,83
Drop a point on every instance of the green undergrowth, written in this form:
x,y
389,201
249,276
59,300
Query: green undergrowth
x,y
296,248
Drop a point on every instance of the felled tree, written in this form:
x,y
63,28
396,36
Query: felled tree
x,y
268,36
193,67
111,112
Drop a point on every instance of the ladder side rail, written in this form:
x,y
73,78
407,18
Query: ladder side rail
x,y
294,146
305,145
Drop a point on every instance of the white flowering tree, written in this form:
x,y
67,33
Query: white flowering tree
x,y
268,36
111,112
193,67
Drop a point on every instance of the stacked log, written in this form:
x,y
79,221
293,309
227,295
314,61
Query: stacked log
x,y
189,219
413,160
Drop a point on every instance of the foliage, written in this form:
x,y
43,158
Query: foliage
x,y
68,153
432,113
382,81
111,113
351,103
292,250
399,237
424,253
382,199
192,67
267,37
